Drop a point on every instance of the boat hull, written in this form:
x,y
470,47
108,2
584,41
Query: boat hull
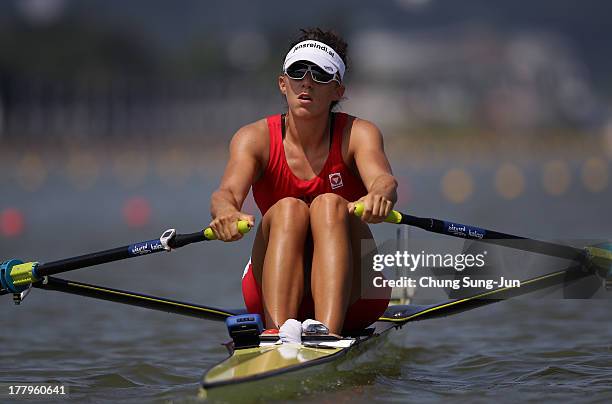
x,y
283,369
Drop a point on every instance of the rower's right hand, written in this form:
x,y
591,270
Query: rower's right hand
x,y
225,226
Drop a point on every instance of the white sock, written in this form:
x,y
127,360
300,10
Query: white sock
x,y
290,332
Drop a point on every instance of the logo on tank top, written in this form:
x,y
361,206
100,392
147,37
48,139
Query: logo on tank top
x,y
335,180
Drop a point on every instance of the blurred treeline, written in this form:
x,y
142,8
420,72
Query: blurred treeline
x,y
96,70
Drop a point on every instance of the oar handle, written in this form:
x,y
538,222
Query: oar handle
x,y
243,228
394,216
207,234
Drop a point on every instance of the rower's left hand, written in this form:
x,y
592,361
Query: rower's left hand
x,y
376,207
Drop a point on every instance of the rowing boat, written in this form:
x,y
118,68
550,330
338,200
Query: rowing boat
x,y
269,360
244,367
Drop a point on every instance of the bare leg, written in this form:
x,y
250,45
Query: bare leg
x,y
332,261
278,259
363,275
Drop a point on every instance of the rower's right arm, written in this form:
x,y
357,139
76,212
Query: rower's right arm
x,y
248,150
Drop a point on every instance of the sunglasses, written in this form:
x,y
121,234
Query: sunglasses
x,y
298,70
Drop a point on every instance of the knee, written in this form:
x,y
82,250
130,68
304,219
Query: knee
x,y
290,210
329,206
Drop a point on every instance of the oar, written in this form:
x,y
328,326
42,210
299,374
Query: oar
x,y
591,255
16,276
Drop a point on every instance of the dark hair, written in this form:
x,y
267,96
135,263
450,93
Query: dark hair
x,y
330,38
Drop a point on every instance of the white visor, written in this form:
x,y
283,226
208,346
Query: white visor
x,y
318,53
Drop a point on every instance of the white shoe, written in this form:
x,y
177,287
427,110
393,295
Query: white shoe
x,y
290,332
314,327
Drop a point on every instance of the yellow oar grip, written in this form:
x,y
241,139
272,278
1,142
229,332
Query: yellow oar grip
x,y
393,217
243,228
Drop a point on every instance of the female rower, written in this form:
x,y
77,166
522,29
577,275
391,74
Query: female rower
x,y
308,167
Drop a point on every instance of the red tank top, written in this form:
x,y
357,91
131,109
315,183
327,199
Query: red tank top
x,y
278,181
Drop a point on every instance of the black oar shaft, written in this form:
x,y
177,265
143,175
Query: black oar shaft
x,y
183,239
16,276
116,254
479,234
492,237
87,260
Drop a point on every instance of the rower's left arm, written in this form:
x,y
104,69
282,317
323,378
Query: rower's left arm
x,y
375,171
